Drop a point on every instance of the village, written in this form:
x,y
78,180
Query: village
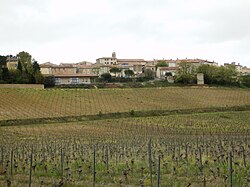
x,y
86,72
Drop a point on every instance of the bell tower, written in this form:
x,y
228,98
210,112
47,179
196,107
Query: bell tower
x,y
114,55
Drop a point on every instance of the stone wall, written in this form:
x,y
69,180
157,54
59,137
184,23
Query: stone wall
x,y
41,86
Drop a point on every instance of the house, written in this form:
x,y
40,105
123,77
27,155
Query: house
x,y
245,70
238,67
195,62
79,73
12,62
107,60
106,63
163,72
86,72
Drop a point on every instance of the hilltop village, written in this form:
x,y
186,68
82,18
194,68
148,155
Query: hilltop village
x,y
87,72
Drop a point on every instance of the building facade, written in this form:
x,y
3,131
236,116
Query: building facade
x,y
86,72
79,73
12,62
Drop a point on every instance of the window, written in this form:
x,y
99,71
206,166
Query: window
x,y
57,80
77,70
74,80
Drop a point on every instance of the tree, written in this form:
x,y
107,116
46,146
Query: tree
x,y
3,60
129,73
26,67
209,73
5,74
115,70
29,68
19,66
36,66
49,81
3,69
106,77
25,61
226,75
39,79
1,81
161,64
186,73
245,80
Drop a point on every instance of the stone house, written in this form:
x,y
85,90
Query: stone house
x,y
79,73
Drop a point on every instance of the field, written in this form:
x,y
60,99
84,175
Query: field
x,y
31,103
204,142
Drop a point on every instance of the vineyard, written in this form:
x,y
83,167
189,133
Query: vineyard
x,y
178,149
32,103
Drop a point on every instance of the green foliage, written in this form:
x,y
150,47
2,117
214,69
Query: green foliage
x,y
245,80
27,72
3,69
209,73
25,60
186,73
39,79
121,79
129,72
5,74
161,64
49,81
132,112
115,70
106,77
219,75
36,66
3,60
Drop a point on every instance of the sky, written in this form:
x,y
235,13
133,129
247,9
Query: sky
x,y
71,31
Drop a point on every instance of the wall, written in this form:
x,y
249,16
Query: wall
x,y
45,71
41,86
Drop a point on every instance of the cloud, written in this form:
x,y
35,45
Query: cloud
x,y
62,30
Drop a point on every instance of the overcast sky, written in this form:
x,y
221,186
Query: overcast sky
x,y
71,31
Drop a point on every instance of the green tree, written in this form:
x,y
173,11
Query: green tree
x,y
3,69
209,73
3,60
223,75
1,80
106,77
29,68
245,80
226,75
25,60
186,73
161,63
49,81
129,72
36,66
115,70
39,78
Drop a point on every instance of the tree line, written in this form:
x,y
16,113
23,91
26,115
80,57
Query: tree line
x,y
213,75
26,72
